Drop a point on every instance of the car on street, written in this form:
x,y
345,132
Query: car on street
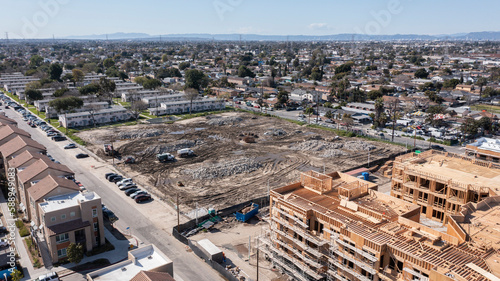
x,y
130,191
128,187
4,243
3,229
142,198
107,175
70,146
51,276
437,147
138,193
81,155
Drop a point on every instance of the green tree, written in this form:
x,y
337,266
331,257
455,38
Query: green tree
x,y
164,58
33,95
184,65
75,253
65,105
375,94
89,89
485,124
195,79
344,68
379,118
109,62
55,71
309,111
36,61
481,82
244,71
151,84
106,89
329,114
60,92
469,128
421,73
451,83
78,76
16,275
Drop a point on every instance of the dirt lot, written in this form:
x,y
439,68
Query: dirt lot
x,y
226,170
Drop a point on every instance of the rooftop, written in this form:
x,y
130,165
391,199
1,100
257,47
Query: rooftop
x,y
65,201
142,259
487,144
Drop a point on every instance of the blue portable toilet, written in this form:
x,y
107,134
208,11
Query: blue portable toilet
x,y
366,176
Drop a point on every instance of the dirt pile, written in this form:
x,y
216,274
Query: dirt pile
x,y
153,150
224,121
224,169
135,134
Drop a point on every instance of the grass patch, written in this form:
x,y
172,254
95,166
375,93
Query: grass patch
x,y
489,108
34,252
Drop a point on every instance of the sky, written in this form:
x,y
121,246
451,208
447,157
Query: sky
x,y
60,18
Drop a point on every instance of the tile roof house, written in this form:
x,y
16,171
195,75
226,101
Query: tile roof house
x,y
9,132
152,276
17,146
4,120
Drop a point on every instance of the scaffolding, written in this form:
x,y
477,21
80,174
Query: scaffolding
x,y
336,251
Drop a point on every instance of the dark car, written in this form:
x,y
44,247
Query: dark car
x,y
111,177
115,179
3,229
131,190
437,147
143,197
81,155
107,175
59,138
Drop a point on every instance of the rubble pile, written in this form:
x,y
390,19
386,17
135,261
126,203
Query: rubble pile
x,y
135,134
359,145
275,132
220,170
223,121
153,150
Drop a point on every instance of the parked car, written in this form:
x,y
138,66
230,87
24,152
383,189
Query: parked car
x,y
117,179
107,213
81,155
70,146
3,229
126,184
59,138
142,198
138,193
124,181
437,147
112,177
4,243
107,175
129,192
52,276
125,187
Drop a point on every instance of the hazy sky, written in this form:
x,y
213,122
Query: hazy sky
x,y
44,18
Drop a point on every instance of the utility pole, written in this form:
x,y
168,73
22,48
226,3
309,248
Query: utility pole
x,y
178,218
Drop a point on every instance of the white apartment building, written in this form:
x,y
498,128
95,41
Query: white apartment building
x,y
182,106
155,101
83,119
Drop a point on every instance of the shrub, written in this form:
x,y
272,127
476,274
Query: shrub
x,y
24,232
19,223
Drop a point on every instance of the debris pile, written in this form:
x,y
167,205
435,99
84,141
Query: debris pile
x,y
153,150
275,132
135,134
223,121
358,145
220,170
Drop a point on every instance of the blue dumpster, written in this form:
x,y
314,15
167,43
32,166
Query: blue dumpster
x,y
366,176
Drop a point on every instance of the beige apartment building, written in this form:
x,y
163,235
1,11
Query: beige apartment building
x,y
71,218
442,183
338,227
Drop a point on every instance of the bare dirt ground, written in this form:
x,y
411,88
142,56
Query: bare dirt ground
x,y
226,170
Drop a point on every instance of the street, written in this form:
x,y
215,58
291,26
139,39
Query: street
x,y
187,266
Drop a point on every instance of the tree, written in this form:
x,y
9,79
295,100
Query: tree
x,y
329,114
379,118
164,58
421,73
33,95
106,89
60,92
195,79
75,253
137,107
36,61
184,65
344,68
244,71
78,76
451,83
375,94
65,105
151,84
347,120
393,109
282,97
432,112
191,94
485,124
33,85
309,111
481,82
55,71
89,89
469,128
16,275
109,62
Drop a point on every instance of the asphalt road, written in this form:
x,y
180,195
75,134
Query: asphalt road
x,y
187,266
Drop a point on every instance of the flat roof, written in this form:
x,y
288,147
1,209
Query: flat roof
x,y
65,201
141,259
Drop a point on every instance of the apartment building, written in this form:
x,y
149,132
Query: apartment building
x,y
86,118
443,182
8,132
18,145
485,149
139,95
182,106
154,101
338,227
71,218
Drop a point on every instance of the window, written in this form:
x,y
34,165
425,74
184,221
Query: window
x,y
61,252
62,238
63,216
96,226
94,213
53,219
72,214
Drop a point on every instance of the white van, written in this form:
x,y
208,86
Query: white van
x,y
51,276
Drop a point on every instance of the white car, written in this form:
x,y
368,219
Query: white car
x,y
124,181
4,243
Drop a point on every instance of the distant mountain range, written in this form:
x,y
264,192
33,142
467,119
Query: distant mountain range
x,y
493,36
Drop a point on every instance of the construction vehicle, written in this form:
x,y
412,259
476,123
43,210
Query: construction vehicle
x,y
165,157
108,150
185,152
129,160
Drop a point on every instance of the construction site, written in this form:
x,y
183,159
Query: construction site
x,y
338,227
235,156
